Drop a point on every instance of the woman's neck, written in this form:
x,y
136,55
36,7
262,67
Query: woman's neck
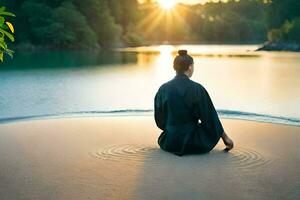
x,y
187,73
182,74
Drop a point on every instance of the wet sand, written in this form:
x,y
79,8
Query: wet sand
x,y
118,158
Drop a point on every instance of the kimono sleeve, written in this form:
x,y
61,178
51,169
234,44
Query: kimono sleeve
x,y
158,110
207,113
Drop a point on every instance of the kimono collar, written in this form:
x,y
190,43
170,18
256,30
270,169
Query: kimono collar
x,y
181,76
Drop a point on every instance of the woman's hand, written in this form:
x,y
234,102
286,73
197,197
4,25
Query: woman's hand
x,y
227,141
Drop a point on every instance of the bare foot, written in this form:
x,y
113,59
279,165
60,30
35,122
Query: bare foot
x,y
228,142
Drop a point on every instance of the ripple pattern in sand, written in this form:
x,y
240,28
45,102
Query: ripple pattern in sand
x,y
128,152
238,157
246,158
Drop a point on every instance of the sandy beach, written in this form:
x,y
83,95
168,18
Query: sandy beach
x,y
117,157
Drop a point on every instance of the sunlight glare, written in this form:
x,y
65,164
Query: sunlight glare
x,y
167,4
164,63
166,50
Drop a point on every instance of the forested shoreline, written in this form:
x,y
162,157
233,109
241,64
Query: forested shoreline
x,y
96,24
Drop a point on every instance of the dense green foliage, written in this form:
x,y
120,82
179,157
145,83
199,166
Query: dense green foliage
x,y
71,24
283,17
229,22
6,31
77,24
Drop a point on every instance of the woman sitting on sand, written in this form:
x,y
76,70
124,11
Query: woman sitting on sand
x,y
179,104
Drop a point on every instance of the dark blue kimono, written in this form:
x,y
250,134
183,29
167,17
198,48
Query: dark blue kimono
x,y
179,106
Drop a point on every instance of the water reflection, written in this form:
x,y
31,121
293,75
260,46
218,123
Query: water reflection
x,y
55,82
163,63
66,59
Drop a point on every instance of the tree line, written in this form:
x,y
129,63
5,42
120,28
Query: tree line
x,y
72,24
91,24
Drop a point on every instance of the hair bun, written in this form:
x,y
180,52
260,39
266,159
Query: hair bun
x,y
182,52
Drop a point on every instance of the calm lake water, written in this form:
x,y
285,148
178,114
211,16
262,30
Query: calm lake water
x,y
241,82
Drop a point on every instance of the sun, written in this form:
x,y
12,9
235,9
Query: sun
x,y
167,4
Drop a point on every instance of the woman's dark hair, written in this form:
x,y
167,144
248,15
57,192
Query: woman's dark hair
x,y
182,62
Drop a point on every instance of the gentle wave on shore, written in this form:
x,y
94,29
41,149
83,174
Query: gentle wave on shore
x,y
231,114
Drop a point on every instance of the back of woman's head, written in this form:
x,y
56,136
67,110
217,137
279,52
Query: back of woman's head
x,y
182,62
